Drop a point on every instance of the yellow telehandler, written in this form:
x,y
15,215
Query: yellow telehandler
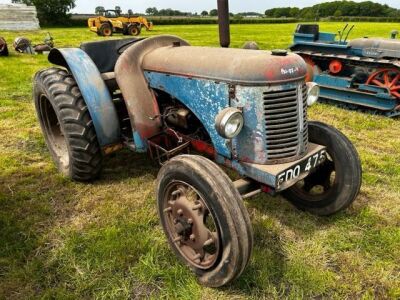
x,y
112,21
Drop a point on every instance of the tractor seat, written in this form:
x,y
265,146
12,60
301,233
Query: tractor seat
x,y
106,53
312,29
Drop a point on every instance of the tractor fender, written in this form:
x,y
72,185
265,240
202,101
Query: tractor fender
x,y
139,98
94,91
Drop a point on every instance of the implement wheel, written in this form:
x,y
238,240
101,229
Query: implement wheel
x,y
335,184
204,218
67,125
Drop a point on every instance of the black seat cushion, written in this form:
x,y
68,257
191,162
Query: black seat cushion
x,y
106,53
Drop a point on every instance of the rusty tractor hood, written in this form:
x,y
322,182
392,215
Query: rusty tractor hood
x,y
239,66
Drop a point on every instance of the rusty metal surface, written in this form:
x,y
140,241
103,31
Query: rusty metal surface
x,y
275,119
237,66
268,174
286,127
256,143
204,98
139,98
166,145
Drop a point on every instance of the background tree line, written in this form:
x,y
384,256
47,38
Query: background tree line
x,y
335,9
57,12
153,11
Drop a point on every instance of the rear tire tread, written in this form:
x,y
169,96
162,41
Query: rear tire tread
x,y
84,150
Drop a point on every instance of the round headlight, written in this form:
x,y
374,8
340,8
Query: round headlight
x,y
229,122
312,93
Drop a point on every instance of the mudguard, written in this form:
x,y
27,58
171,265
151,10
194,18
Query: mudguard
x,y
139,98
94,91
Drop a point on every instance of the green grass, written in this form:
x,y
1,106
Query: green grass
x,y
61,239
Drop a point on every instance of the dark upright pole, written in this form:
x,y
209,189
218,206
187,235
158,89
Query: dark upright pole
x,y
223,21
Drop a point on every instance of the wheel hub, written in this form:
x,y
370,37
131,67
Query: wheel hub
x,y
191,226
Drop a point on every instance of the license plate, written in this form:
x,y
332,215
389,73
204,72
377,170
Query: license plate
x,y
300,170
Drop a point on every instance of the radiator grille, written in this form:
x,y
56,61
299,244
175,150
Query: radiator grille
x,y
286,123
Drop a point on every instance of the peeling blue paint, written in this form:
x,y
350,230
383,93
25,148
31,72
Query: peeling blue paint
x,y
250,145
140,146
96,95
205,98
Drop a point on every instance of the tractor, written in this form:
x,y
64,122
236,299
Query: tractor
x,y
197,111
112,21
362,74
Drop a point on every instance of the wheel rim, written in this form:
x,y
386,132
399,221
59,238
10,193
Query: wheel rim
x,y
190,225
316,186
388,79
54,131
107,31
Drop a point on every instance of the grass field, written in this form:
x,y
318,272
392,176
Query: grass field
x,y
64,240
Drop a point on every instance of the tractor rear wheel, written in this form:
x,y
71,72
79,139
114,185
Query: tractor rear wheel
x,y
105,30
204,218
335,184
134,30
67,125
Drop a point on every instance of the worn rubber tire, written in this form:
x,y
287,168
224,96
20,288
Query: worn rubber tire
x,y
134,30
347,167
105,30
125,29
72,141
226,206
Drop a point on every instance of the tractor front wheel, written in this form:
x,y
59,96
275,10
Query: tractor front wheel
x,y
67,125
204,218
335,184
105,30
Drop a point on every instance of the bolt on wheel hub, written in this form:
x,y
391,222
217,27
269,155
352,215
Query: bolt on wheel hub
x,y
191,226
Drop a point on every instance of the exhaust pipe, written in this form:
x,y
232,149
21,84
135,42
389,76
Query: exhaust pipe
x,y
223,21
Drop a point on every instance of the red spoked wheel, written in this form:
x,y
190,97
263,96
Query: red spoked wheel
x,y
387,78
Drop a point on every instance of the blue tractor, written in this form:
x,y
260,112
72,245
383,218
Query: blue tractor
x,y
359,74
193,109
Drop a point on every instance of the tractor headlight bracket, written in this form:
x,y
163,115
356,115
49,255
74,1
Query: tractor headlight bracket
x,y
229,122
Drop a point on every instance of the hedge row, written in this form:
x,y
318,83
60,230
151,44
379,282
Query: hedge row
x,y
76,22
361,19
194,21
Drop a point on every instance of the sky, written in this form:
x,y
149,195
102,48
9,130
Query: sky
x,y
85,6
